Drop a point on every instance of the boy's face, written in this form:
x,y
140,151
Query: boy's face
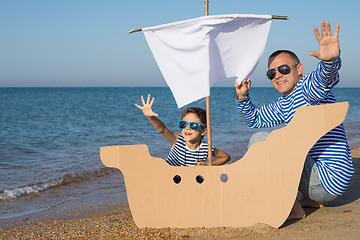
x,y
189,134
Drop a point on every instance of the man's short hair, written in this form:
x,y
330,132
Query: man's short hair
x,y
288,52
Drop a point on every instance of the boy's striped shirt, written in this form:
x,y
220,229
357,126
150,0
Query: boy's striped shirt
x,y
181,155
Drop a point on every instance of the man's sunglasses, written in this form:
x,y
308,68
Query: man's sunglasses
x,y
283,69
193,125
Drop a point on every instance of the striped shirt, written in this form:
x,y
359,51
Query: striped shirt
x,y
181,155
331,152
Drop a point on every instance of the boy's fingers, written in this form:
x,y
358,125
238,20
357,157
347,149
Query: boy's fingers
x,y
138,106
142,100
148,99
152,101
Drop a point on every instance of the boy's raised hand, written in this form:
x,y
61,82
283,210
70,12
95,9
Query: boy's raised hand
x,y
147,107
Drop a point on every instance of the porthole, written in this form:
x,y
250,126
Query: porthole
x,y
177,179
224,177
199,179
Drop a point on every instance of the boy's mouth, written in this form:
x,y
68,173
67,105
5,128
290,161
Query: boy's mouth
x,y
187,133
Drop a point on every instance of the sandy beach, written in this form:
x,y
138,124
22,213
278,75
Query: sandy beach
x,y
86,220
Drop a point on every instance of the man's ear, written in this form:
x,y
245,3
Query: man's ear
x,y
300,69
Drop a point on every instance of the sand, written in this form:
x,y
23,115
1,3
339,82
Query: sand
x,y
340,219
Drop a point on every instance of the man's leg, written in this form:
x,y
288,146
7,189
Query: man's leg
x,y
314,195
258,137
297,212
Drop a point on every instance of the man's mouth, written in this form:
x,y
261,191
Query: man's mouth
x,y
281,82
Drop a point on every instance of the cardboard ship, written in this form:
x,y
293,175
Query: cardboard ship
x,y
261,187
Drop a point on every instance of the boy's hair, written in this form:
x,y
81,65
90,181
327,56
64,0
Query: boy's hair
x,y
288,52
201,113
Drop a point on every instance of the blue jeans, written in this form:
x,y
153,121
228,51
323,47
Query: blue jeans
x,y
310,185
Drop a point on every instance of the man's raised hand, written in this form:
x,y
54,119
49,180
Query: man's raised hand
x,y
329,47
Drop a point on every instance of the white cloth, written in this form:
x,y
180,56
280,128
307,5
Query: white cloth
x,y
194,54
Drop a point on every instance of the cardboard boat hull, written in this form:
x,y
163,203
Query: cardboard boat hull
x,y
261,187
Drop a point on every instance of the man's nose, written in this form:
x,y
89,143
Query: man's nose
x,y
278,74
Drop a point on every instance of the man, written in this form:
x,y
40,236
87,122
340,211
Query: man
x,y
328,167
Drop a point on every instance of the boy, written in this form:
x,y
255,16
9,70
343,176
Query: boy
x,y
187,149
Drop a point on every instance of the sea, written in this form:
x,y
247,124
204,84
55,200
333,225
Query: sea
x,y
50,139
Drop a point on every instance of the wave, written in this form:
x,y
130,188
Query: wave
x,y
42,186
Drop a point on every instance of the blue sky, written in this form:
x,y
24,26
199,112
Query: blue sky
x,y
69,43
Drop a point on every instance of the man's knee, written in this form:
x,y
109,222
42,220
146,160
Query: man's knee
x,y
258,137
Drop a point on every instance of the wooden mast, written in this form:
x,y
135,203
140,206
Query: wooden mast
x,y
208,111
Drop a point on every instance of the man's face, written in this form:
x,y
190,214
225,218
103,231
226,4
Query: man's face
x,y
285,84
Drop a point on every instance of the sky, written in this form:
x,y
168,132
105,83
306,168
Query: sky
x,y
85,43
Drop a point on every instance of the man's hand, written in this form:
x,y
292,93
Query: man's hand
x,y
242,89
329,47
147,107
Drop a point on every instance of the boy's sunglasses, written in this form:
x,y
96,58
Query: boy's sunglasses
x,y
193,125
283,69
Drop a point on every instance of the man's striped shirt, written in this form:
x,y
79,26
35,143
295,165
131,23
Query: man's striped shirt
x,y
331,152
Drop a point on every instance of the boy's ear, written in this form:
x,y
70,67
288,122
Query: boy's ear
x,y
204,132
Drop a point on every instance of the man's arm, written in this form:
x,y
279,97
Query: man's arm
x,y
318,84
255,117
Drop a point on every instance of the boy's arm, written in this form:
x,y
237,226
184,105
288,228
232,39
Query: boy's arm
x,y
156,122
162,129
222,157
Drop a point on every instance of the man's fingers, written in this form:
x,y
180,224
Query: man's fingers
x,y
248,84
337,30
314,54
244,82
317,34
328,28
323,31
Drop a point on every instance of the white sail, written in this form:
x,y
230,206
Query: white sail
x,y
194,54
